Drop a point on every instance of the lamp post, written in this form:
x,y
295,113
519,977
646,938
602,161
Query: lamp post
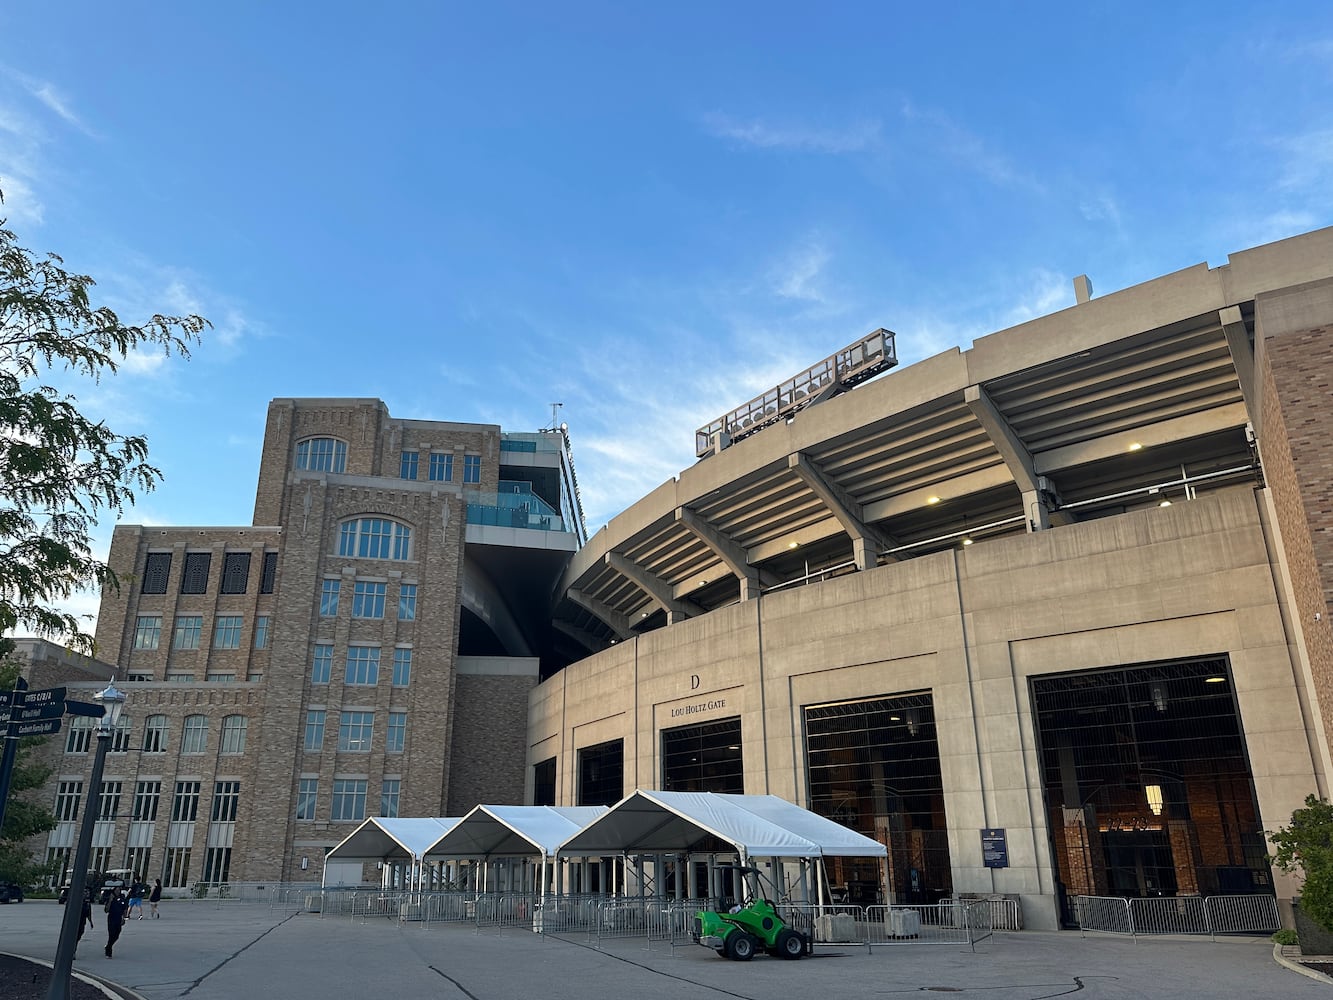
x,y
113,701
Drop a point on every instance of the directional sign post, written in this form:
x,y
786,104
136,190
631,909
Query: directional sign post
x,y
86,708
38,727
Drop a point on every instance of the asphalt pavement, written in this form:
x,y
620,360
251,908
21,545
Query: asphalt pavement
x,y
212,951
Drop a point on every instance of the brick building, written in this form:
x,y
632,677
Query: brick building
x,y
359,650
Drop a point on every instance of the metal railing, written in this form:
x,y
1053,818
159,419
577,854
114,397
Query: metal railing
x,y
1211,915
1006,913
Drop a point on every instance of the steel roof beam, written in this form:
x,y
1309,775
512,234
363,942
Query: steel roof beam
x,y
654,586
727,550
867,541
585,639
613,619
1242,355
1040,499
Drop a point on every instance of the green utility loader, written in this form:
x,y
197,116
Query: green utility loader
x,y
742,931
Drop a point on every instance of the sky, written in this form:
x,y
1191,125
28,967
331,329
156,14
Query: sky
x,y
646,212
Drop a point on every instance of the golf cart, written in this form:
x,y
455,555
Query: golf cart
x,y
744,929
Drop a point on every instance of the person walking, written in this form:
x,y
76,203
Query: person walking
x,y
136,901
115,919
86,917
155,896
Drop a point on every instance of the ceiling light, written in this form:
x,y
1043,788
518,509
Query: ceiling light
x,y
702,582
1154,794
1165,503
1214,680
932,499
895,718
1135,446
644,615
967,541
791,545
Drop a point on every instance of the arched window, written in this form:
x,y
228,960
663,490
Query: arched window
x,y
155,734
321,455
374,538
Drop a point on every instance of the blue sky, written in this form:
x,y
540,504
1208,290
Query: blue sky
x,y
645,212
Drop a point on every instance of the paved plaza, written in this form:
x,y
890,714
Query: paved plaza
x,y
207,951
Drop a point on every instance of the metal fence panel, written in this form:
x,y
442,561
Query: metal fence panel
x,y
1103,913
1239,914
1168,915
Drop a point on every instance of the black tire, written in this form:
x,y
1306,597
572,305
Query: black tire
x,y
789,944
741,947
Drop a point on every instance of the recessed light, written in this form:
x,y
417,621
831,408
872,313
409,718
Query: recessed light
x,y
932,499
1214,680
895,718
1135,446
1165,503
967,541
702,582
791,545
644,615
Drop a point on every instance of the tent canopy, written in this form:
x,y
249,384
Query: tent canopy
x,y
651,822
491,831
384,839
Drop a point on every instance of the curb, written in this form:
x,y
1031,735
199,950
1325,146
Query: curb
x,y
1297,967
113,990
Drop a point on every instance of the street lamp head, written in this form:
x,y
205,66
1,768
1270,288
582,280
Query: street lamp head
x,y
112,700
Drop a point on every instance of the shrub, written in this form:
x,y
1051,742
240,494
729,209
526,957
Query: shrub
x,y
1307,846
1285,936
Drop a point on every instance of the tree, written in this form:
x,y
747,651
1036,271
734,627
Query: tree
x,y
59,469
1307,846
24,818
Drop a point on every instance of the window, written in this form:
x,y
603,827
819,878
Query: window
x,y
80,735
120,736
68,794
407,602
140,675
235,572
108,800
261,632
194,579
321,455
407,469
374,538
156,569
185,803
543,782
155,734
138,858
187,632
194,736
147,631
147,795
183,676
368,599
314,729
307,793
704,758
269,574
328,598
226,798
602,774
176,871
402,667
390,791
227,632
355,730
221,678
233,733
349,799
396,737
323,668
471,468
441,467
363,665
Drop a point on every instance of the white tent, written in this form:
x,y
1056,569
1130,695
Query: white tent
x,y
756,826
535,832
382,839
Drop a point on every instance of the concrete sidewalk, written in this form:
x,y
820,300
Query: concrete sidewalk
x,y
210,952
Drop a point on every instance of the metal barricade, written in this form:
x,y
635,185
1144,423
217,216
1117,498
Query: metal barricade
x,y
1006,913
932,923
1103,913
1168,915
1242,914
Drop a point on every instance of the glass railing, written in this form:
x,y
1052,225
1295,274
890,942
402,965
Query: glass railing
x,y
515,507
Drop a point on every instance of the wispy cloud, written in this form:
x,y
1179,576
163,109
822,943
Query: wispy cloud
x,y
946,137
761,134
49,96
1307,162
1044,292
797,275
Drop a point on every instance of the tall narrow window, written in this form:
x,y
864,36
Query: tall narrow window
x,y
194,578
68,794
314,729
187,632
80,734
185,803
407,602
155,734
147,631
441,467
307,793
368,599
349,799
120,736
233,733
261,632
402,667
407,468
363,665
194,735
269,574
147,795
108,800
156,569
396,737
391,790
321,455
227,632
328,598
323,667
471,468
235,572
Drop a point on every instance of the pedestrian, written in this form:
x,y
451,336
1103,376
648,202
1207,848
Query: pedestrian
x,y
85,917
115,919
136,901
155,896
